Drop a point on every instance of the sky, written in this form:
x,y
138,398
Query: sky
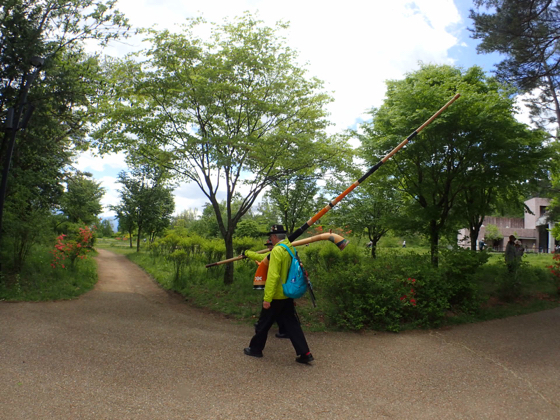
x,y
353,46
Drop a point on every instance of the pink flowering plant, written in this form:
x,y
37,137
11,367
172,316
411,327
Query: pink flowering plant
x,y
409,297
67,249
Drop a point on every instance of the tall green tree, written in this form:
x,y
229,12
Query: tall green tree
x,y
293,198
266,214
526,32
81,201
56,31
476,140
105,228
369,210
161,206
146,203
62,95
125,215
233,113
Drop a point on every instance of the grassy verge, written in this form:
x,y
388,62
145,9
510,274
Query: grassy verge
x,y
38,281
204,288
535,288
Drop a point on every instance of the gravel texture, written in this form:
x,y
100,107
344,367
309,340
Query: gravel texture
x,y
130,350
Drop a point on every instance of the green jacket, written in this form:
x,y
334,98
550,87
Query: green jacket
x,y
278,267
252,255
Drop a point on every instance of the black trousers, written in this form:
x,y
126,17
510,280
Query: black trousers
x,y
281,310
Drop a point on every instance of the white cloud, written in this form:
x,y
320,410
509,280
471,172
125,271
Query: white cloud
x,y
353,46
523,111
189,196
88,162
111,197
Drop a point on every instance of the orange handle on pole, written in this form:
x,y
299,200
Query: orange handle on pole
x,y
333,203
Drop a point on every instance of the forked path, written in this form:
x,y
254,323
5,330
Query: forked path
x,y
129,350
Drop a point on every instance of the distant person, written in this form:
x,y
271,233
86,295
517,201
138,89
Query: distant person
x,y
519,249
511,254
404,244
481,245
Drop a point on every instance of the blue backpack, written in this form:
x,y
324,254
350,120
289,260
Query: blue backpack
x,y
296,283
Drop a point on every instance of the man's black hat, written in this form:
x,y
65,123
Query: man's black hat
x,y
274,229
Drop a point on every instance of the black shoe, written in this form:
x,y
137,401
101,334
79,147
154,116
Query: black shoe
x,y
282,335
250,352
305,358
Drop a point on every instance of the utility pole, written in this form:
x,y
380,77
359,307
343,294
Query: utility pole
x,y
16,120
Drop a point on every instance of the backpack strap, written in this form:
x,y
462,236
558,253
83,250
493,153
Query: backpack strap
x,y
291,254
289,251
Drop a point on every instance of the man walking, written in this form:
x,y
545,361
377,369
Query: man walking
x,y
252,255
276,306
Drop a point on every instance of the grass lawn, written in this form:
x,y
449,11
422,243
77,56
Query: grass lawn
x,y
535,259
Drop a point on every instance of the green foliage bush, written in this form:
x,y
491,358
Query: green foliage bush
x,y
249,228
393,290
245,242
459,267
188,253
521,282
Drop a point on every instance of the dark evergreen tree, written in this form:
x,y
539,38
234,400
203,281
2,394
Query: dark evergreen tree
x,y
527,33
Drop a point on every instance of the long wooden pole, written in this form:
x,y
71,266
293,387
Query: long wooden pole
x,y
348,190
374,168
338,240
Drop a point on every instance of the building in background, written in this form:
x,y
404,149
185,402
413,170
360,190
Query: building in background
x,y
533,229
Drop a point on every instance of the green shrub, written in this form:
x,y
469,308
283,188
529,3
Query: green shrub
x,y
459,267
522,281
385,293
245,242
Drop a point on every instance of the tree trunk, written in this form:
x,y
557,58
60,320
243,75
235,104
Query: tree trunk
x,y
373,249
474,231
555,100
138,239
434,242
228,274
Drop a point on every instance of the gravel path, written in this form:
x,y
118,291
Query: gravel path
x,y
129,350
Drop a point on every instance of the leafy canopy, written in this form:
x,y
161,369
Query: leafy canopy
x,y
232,113
477,142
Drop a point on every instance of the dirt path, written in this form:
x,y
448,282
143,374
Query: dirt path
x,y
129,350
